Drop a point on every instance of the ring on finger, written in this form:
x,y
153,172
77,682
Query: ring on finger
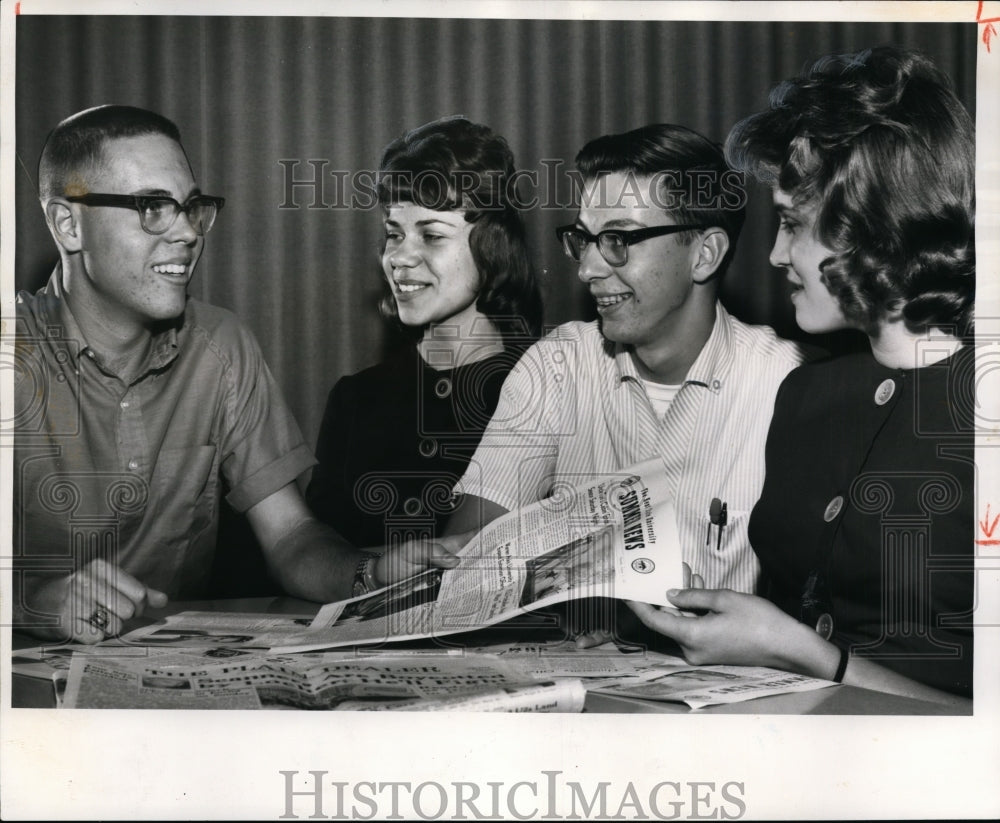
x,y
99,618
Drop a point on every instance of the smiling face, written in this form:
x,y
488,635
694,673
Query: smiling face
x,y
799,252
134,277
644,302
428,263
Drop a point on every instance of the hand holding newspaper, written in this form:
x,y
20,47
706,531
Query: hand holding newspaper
x,y
614,537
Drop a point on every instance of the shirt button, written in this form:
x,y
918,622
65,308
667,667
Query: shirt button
x,y
833,508
886,389
124,404
824,626
133,464
90,354
428,447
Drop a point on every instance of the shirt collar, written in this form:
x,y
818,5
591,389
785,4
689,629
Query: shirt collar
x,y
709,369
163,348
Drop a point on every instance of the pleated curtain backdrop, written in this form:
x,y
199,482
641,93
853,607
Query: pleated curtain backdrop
x,y
254,95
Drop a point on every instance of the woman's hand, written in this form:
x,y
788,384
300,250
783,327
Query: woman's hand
x,y
735,629
595,637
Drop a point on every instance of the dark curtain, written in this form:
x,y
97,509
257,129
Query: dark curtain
x,y
254,95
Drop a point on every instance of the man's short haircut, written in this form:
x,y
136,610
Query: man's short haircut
x,y
455,164
75,148
694,184
878,142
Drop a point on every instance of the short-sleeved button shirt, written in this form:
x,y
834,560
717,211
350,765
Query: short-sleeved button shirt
x,y
574,408
133,471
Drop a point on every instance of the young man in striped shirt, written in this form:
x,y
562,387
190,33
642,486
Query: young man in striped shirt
x,y
665,371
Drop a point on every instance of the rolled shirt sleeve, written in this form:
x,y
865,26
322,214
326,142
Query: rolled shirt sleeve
x,y
262,448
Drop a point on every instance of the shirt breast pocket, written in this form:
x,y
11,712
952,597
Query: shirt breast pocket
x,y
720,553
185,485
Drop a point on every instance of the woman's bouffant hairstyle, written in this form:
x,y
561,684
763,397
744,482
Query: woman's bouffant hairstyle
x,y
881,146
452,164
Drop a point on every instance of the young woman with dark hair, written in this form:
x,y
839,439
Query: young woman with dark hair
x,y
396,437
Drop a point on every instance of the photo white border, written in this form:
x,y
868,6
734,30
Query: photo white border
x,y
149,765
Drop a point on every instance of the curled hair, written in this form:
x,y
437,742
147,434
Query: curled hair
x,y
878,142
694,184
75,148
454,164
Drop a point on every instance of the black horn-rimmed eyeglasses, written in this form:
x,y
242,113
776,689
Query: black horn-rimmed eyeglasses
x,y
157,212
613,243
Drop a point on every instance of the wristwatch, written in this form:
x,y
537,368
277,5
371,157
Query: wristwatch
x,y
364,575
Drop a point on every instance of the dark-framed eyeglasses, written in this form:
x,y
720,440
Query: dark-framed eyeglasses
x,y
613,243
158,212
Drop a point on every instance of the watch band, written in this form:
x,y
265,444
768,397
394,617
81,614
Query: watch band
x,y
364,575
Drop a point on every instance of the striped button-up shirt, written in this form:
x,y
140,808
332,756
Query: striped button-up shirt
x,y
574,409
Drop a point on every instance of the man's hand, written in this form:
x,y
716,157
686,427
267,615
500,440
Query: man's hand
x,y
91,604
415,556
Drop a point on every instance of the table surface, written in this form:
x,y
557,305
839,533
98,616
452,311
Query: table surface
x,y
29,692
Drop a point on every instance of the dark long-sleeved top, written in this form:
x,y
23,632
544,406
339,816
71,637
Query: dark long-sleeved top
x,y
395,439
869,491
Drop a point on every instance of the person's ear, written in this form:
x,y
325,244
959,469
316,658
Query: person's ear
x,y
710,251
64,224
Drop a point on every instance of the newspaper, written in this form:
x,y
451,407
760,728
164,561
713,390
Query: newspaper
x,y
548,696
651,675
51,664
700,686
504,677
613,537
565,659
212,629
240,679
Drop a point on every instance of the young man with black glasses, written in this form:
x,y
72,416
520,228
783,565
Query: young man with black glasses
x,y
133,403
665,371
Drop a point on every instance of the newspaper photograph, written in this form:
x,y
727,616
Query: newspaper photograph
x,y
241,344
200,629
